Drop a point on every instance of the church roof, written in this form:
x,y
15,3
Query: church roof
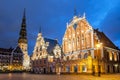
x,y
52,44
18,50
6,50
105,40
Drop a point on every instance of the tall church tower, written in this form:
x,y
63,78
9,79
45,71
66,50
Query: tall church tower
x,y
22,42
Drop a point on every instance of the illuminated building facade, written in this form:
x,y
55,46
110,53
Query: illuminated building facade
x,y
5,57
23,43
11,59
16,62
88,50
45,55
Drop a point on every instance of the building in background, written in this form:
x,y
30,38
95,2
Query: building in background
x,y
88,50
5,57
11,59
23,43
16,62
45,55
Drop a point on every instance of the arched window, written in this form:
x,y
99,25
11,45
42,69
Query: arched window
x,y
110,56
115,57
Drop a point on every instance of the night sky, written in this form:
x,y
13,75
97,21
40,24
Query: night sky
x,y
52,16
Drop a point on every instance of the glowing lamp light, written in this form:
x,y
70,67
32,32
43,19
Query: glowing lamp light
x,y
82,31
99,45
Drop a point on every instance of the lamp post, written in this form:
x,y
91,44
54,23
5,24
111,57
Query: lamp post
x,y
98,46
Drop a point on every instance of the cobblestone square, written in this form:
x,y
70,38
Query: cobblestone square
x,y
25,76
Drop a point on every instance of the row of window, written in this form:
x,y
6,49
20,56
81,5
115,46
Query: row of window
x,y
79,56
113,56
39,62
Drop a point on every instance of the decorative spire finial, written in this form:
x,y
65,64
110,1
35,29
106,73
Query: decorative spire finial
x,y
67,24
84,15
24,13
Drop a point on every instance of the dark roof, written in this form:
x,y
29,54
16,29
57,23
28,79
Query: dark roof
x,y
105,40
6,50
18,50
52,44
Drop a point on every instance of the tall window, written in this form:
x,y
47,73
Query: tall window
x,y
115,56
88,40
83,40
69,45
75,26
77,42
44,61
73,45
84,69
110,56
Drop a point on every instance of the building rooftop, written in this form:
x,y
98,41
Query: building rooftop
x,y
105,40
52,44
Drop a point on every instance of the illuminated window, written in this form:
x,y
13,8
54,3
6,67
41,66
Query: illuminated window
x,y
110,56
84,69
69,46
73,44
77,41
115,56
82,39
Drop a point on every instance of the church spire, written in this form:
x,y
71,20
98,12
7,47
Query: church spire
x,y
22,42
23,32
24,13
24,19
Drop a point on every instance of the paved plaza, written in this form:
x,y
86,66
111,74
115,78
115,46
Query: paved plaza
x,y
25,76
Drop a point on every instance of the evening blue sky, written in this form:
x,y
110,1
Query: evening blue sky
x,y
52,16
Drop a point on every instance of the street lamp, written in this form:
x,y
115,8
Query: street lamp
x,y
98,46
